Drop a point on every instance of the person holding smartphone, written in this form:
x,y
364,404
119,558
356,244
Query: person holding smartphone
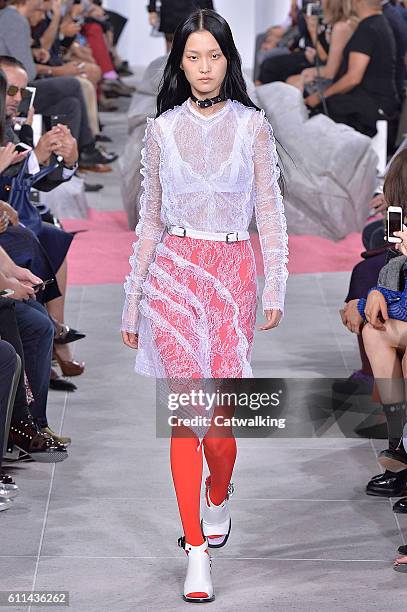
x,y
58,142
384,336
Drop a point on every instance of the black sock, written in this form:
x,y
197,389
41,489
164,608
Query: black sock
x,y
396,419
89,148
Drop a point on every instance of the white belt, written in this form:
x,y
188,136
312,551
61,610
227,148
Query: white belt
x,y
177,230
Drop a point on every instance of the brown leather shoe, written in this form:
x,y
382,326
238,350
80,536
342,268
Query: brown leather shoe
x,y
70,368
100,168
27,437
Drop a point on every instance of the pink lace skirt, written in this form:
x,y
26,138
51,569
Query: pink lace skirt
x,y
198,310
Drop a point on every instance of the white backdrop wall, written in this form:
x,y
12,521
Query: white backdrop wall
x,y
246,18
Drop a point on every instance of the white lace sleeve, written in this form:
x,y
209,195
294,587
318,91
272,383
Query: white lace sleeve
x,y
270,218
149,229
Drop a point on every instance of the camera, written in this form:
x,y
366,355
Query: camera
x,y
313,9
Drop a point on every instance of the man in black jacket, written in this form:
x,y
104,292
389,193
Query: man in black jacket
x,y
56,142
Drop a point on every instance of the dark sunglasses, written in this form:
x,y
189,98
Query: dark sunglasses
x,y
13,90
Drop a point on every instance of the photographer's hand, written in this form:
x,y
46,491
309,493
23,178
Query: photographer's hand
x,y
376,309
153,18
65,145
9,156
378,204
30,117
351,318
313,100
12,214
21,290
401,246
309,75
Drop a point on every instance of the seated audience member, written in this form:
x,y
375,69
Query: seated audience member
x,y
364,90
338,17
47,49
54,95
378,333
25,324
399,27
385,340
281,67
54,241
95,30
273,44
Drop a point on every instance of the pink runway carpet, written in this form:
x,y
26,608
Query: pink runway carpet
x,y
100,255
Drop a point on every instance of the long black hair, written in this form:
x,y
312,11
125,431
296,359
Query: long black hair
x,y
3,93
174,86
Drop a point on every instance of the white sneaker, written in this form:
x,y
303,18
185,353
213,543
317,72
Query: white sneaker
x,y
216,521
8,491
198,586
5,504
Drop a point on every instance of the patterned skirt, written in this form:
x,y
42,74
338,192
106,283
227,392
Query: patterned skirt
x,y
198,310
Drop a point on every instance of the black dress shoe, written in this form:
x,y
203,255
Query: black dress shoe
x,y
96,157
93,188
400,507
388,484
64,334
387,473
6,478
61,384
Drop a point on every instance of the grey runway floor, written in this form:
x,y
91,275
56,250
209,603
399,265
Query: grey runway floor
x,y
103,525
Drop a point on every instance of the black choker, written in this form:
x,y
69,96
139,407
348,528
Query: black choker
x,y
208,101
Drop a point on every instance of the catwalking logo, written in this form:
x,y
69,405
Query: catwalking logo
x,y
199,401
202,399
222,421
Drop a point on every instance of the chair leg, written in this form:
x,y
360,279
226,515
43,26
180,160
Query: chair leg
x,y
10,403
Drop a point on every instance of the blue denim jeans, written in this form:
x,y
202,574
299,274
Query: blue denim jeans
x,y
37,335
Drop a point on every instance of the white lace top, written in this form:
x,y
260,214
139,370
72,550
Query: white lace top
x,y
207,173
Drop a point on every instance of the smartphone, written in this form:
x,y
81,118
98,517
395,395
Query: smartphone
x,y
43,284
26,103
21,147
55,119
394,223
313,9
6,292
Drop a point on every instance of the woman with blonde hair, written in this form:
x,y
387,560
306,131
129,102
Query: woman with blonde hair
x,y
340,24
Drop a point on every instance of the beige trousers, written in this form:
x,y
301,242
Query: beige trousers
x,y
89,93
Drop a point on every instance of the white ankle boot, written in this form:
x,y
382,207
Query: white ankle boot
x,y
198,586
216,521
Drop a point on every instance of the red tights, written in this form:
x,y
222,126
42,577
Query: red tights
x,y
186,468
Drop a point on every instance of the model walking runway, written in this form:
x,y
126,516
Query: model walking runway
x,y
209,160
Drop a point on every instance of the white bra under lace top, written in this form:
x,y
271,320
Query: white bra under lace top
x,y
208,172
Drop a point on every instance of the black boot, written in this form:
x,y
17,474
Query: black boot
x,y
395,457
27,437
